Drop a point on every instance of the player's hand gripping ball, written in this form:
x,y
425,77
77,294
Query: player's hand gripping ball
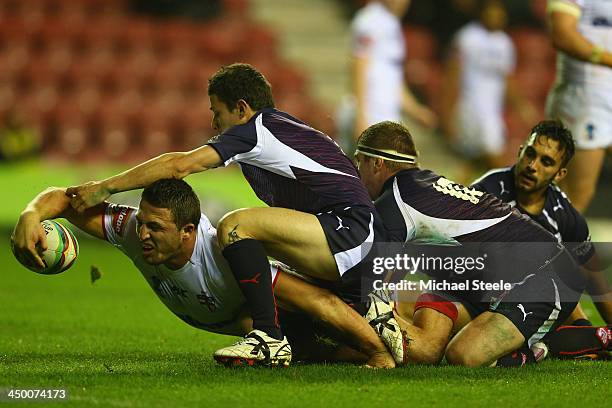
x,y
62,248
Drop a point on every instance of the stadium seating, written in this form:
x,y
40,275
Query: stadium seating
x,y
98,81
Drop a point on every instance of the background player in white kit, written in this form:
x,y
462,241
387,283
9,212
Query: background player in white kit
x,y
175,248
581,30
478,71
379,52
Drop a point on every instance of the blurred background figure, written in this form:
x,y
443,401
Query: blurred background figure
x,y
581,30
379,88
477,84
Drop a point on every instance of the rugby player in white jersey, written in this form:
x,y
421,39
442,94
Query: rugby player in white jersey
x,y
320,219
581,31
477,75
378,67
175,248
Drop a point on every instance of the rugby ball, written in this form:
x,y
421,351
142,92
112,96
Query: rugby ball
x,y
62,248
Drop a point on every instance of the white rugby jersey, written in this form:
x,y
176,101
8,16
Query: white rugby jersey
x,y
486,58
203,293
377,35
595,24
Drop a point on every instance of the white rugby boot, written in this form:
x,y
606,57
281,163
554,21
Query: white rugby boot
x,y
256,348
380,316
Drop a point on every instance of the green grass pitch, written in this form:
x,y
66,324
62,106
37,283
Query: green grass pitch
x,y
113,344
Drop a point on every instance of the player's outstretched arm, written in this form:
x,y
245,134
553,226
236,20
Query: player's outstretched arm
x,y
295,294
167,165
28,236
566,37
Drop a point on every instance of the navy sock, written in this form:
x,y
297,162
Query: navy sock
x,y
249,263
577,341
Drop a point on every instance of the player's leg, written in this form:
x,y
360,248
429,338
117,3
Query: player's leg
x,y
427,336
428,327
577,315
519,318
293,237
582,176
294,293
484,340
248,236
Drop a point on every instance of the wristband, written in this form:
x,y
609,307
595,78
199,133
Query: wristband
x,y
596,55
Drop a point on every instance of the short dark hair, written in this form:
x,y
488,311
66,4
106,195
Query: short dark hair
x,y
241,81
389,135
177,196
555,130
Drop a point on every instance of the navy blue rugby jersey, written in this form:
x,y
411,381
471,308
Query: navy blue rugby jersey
x,y
558,215
419,205
291,165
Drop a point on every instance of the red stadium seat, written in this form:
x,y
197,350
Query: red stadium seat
x,y
8,97
236,8
288,79
96,79
172,34
14,58
219,40
136,33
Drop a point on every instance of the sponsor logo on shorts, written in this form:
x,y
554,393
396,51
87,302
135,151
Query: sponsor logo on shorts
x,y
522,309
341,225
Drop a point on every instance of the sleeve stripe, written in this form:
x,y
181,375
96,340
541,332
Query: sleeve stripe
x,y
564,6
103,214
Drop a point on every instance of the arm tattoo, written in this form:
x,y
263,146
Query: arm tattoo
x,y
233,235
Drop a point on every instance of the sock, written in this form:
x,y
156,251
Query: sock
x,y
518,358
577,341
249,263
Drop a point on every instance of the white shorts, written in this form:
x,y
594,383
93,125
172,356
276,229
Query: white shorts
x,y
480,133
586,112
